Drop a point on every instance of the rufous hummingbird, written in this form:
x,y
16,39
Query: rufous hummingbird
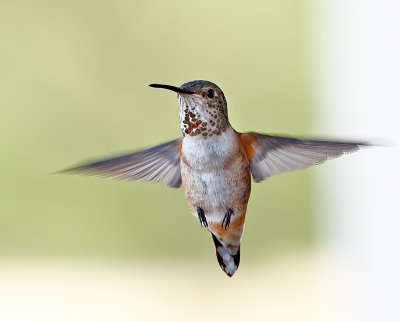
x,y
214,163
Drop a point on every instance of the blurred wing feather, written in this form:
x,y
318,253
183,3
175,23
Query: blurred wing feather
x,y
160,163
270,155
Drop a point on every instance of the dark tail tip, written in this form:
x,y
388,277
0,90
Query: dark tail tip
x,y
229,262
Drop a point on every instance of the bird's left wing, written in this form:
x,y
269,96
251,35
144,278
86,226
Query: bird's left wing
x,y
270,155
160,163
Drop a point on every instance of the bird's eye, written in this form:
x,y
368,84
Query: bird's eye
x,y
210,93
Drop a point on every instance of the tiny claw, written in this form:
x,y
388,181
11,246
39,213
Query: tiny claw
x,y
227,219
202,217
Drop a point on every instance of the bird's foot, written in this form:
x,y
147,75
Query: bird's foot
x,y
202,217
227,219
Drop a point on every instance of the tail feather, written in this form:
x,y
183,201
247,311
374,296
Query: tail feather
x,y
228,259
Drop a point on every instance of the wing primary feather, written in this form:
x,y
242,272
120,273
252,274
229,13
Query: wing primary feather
x,y
276,154
147,165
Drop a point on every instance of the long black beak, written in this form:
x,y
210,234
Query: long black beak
x,y
172,88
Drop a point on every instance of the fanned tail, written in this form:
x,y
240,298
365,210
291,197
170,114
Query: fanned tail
x,y
228,257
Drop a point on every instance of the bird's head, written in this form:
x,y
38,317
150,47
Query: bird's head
x,y
202,108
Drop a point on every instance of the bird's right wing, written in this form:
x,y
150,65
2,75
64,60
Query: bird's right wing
x,y
270,155
160,163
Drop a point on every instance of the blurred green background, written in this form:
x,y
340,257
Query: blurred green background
x,y
73,85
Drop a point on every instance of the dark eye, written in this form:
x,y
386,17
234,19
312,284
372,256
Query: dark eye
x,y
210,93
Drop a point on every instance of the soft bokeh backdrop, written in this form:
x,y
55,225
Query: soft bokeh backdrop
x,y
74,86
320,244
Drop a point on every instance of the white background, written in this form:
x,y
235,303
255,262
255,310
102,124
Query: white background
x,y
355,54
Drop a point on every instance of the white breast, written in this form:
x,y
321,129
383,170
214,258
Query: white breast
x,y
208,154
208,181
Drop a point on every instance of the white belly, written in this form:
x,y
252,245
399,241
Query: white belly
x,y
212,175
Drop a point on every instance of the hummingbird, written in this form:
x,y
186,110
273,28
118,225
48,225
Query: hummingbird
x,y
214,164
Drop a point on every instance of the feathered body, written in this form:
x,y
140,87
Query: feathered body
x,y
214,163
216,177
215,169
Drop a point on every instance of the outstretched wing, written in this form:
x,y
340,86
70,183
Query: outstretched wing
x,y
270,155
160,163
